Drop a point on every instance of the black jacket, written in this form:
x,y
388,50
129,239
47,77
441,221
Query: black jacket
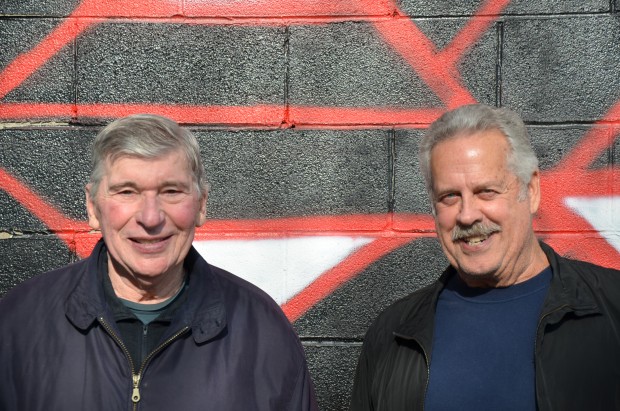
x,y
228,348
577,352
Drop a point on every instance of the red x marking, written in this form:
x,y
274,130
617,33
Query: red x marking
x,y
436,68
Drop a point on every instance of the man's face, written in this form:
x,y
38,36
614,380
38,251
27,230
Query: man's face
x,y
147,211
485,229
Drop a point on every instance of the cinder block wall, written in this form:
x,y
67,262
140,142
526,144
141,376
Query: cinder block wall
x,y
309,114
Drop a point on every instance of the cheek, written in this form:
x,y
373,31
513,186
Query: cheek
x,y
505,213
115,216
184,216
444,220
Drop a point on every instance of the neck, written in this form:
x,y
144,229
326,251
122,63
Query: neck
x,y
532,262
149,290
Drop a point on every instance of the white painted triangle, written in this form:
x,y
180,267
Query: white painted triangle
x,y
603,213
281,267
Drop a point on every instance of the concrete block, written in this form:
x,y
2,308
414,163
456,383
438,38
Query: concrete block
x,y
27,256
270,174
54,163
181,64
350,64
50,83
16,218
47,8
553,144
349,311
332,367
561,69
557,6
443,8
409,187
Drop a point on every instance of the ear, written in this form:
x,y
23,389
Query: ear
x,y
533,190
91,208
201,218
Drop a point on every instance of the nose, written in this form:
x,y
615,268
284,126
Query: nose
x,y
469,212
150,214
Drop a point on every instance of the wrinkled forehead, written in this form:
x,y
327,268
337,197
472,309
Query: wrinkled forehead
x,y
493,140
181,159
481,151
173,164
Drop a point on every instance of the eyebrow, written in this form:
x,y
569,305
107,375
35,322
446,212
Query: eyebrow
x,y
165,183
121,185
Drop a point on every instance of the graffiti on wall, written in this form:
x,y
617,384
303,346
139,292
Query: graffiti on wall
x,y
301,260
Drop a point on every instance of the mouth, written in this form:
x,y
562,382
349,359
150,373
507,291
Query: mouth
x,y
475,235
149,241
473,241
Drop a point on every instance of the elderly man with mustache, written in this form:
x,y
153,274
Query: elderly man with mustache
x,y
510,325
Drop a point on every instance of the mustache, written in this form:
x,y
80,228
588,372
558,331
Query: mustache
x,y
475,230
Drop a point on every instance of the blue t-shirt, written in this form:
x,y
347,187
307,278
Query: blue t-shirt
x,y
483,346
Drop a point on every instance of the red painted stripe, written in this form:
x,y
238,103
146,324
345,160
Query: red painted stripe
x,y
363,224
289,8
329,281
261,115
469,35
27,63
48,214
230,115
123,8
599,138
417,50
19,111
377,116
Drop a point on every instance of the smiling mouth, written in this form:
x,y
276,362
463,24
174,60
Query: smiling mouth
x,y
147,241
475,240
476,234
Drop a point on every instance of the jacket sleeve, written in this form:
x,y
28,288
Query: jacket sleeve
x,y
360,397
304,398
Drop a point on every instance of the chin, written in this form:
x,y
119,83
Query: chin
x,y
479,278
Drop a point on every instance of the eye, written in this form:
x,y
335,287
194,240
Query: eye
x,y
126,192
449,199
172,191
487,194
172,194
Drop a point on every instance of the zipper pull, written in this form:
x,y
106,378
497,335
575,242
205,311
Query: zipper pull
x,y
135,395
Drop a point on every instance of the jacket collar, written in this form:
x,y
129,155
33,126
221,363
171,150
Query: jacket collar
x,y
204,311
567,293
418,322
86,302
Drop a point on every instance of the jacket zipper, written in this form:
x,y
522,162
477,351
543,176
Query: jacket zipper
x,y
135,397
540,321
542,318
135,394
428,375
428,366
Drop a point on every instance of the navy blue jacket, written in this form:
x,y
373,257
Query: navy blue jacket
x,y
229,347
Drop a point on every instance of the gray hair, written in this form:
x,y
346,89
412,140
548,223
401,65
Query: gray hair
x,y
474,118
144,136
